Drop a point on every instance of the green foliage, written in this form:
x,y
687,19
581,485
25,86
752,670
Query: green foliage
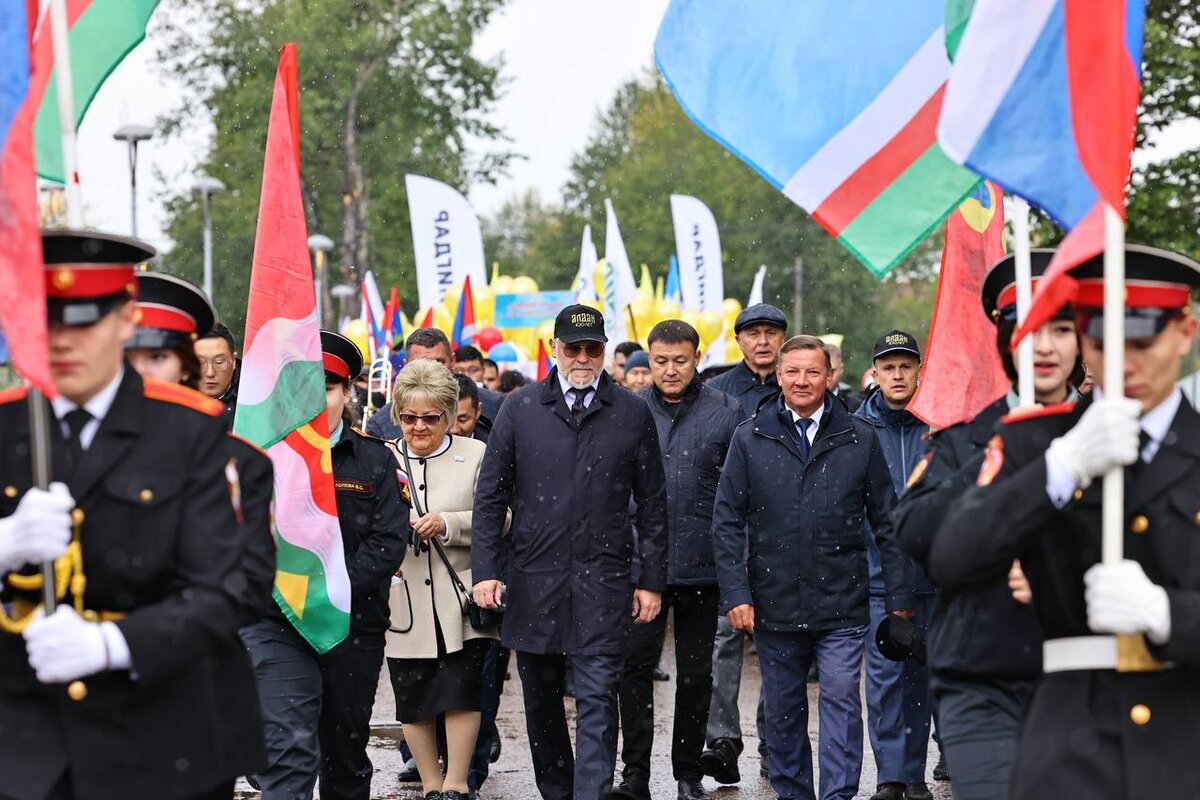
x,y
420,102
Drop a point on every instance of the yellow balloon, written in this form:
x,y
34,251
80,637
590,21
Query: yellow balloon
x,y
642,309
485,306
443,319
450,299
593,304
709,325
731,305
356,331
666,309
523,284
503,285
543,331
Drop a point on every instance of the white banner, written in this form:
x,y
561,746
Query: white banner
x,y
447,241
619,287
698,249
585,281
756,291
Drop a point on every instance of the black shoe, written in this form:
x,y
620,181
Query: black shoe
x,y
661,675
409,773
693,790
453,795
889,791
940,773
720,762
632,788
763,771
917,791
494,752
434,796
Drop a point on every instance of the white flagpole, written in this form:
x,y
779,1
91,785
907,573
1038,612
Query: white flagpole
x,y
1113,511
1020,219
66,110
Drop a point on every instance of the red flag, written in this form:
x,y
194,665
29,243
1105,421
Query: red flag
x,y
22,272
463,330
543,360
428,321
962,371
389,318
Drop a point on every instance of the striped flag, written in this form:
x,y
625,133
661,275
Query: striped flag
x,y
101,34
463,331
1043,100
835,104
543,360
281,396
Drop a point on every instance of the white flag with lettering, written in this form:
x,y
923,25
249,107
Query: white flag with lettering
x,y
447,240
620,289
585,280
698,250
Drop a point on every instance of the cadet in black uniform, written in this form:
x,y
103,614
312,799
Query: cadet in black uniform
x,y
985,648
1116,713
118,694
170,314
317,708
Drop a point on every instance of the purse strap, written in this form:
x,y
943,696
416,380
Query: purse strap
x,y
437,545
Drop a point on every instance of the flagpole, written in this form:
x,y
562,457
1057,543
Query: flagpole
x,y
1024,276
1113,497
66,110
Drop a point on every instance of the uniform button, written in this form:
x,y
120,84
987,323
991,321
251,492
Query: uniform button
x,y
1139,524
146,495
77,516
77,690
1140,714
11,491
428,582
421,487
1078,495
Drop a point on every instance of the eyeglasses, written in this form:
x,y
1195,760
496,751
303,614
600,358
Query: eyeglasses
x,y
572,350
429,419
220,363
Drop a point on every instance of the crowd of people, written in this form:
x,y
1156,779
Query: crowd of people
x,y
564,521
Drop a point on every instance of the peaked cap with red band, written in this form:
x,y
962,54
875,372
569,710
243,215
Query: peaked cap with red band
x,y
170,310
88,273
1158,288
999,291
343,360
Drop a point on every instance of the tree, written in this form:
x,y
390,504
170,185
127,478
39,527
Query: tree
x,y
386,87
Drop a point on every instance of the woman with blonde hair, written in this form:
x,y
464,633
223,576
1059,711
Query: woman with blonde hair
x,y
434,656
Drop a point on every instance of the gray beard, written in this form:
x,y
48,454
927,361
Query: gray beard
x,y
575,384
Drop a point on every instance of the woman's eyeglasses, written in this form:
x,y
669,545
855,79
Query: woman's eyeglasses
x,y
572,350
429,419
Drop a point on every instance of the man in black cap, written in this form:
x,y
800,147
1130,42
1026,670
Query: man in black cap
x,y
760,330
112,696
1114,715
898,706
566,460
317,707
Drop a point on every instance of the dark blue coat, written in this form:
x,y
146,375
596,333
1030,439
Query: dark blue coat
x,y
694,442
743,384
569,581
902,437
807,565
981,631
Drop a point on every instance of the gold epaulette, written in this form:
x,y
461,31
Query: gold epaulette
x,y
183,396
1021,413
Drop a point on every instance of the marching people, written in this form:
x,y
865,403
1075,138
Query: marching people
x,y
566,460
637,371
695,423
112,695
800,478
220,366
898,705
468,419
317,706
620,353
984,646
760,331
434,655
469,361
423,343
491,375
1113,715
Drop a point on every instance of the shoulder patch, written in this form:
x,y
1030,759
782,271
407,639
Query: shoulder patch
x,y
993,460
13,395
919,470
183,396
366,435
1021,413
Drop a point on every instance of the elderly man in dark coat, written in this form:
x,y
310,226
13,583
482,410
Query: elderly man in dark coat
x,y
566,456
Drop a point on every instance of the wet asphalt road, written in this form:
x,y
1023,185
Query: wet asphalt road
x,y
512,777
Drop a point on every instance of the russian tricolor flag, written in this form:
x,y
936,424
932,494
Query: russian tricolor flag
x,y
1042,98
463,331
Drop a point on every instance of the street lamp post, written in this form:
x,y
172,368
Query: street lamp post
x,y
343,292
320,245
131,135
208,186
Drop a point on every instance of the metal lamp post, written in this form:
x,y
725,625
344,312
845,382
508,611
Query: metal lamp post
x,y
343,292
131,135
320,245
208,186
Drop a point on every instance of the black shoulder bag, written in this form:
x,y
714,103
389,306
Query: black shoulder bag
x,y
481,619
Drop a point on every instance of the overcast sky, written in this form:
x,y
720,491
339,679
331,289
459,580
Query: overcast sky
x,y
564,60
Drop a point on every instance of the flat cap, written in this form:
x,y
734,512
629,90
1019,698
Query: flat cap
x,y
760,314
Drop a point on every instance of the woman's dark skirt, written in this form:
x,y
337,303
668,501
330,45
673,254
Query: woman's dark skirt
x,y
426,687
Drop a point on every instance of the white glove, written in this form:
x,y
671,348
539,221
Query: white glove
x,y
1121,599
1106,436
39,530
63,647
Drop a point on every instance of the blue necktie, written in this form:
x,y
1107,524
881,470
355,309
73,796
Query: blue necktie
x,y
802,425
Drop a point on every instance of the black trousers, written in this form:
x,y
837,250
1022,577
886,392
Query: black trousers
x,y
695,610
62,791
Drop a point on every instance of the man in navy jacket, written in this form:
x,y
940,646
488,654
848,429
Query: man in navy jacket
x,y
799,479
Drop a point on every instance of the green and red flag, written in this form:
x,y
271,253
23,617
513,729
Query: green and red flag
x,y
281,396
101,33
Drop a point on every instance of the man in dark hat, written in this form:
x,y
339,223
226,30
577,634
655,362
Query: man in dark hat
x,y
317,707
1114,713
984,646
145,636
566,460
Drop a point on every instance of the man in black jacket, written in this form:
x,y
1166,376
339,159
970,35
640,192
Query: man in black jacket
x,y
799,480
565,458
694,423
